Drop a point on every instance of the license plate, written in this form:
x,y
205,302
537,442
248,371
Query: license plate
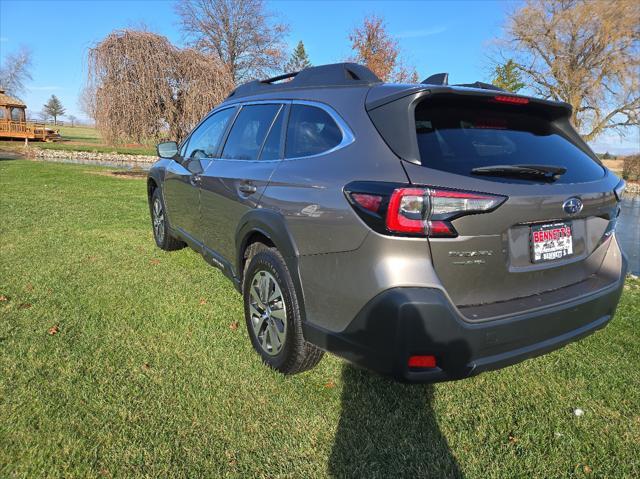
x,y
551,242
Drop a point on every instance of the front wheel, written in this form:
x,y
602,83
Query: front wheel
x,y
272,314
160,223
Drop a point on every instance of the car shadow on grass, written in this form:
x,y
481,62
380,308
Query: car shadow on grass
x,y
387,429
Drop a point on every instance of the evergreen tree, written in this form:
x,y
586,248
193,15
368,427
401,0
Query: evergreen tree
x,y
508,77
54,108
299,59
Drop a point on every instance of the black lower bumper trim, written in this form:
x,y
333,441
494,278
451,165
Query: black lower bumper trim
x,y
401,322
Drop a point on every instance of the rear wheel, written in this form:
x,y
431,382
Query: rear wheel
x,y
160,223
272,313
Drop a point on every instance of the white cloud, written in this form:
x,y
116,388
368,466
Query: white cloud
x,y
424,32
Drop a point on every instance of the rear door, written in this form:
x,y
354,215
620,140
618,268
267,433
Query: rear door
x,y
548,234
233,183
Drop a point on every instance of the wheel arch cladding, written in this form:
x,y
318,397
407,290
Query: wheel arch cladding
x,y
262,223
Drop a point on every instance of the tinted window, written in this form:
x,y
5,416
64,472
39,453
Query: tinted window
x,y
249,131
460,139
311,131
205,139
271,148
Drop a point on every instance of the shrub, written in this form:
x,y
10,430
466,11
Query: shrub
x,y
631,168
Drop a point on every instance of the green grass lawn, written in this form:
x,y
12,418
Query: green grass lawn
x,y
81,138
120,360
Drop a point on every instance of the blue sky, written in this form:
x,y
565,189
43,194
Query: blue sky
x,y
435,36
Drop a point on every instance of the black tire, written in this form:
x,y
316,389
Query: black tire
x,y
295,354
160,224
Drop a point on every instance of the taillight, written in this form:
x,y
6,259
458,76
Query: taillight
x,y
416,211
428,211
368,202
406,211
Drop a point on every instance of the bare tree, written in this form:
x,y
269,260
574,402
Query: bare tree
x,y
374,47
72,119
584,53
145,88
242,34
87,101
15,71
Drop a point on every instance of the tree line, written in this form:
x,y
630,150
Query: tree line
x,y
140,87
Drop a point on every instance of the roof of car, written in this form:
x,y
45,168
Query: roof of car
x,y
353,75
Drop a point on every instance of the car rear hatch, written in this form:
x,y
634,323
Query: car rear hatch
x,y
553,208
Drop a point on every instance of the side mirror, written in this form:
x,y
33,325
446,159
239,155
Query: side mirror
x,y
194,166
167,149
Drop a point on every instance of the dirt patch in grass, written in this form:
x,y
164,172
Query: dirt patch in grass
x,y
125,174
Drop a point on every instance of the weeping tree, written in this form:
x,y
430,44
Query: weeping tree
x,y
145,88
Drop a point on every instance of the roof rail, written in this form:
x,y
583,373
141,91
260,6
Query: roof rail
x,y
335,74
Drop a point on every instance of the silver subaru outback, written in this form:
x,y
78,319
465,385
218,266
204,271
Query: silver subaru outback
x,y
426,231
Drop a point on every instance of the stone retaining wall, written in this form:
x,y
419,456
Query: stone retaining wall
x,y
92,158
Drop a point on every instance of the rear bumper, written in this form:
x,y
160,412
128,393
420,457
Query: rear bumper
x,y
401,322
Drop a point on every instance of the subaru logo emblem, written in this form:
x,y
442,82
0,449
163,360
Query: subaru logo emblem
x,y
572,206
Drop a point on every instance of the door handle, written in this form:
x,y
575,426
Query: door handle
x,y
195,180
247,188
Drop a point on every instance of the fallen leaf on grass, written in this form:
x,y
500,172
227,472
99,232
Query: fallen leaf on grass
x,y
233,326
24,305
513,439
202,302
330,384
146,366
3,298
54,330
587,469
28,287
154,261
92,258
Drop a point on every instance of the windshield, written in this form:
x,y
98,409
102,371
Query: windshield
x,y
458,140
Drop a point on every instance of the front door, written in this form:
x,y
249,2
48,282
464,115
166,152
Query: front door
x,y
182,179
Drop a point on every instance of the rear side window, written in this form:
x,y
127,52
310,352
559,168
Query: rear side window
x,y
249,132
311,131
457,140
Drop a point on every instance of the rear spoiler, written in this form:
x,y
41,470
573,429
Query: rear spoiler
x,y
392,110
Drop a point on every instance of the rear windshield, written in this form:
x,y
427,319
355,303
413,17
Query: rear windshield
x,y
457,140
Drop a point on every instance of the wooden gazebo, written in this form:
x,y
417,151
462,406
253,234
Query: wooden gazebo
x,y
14,124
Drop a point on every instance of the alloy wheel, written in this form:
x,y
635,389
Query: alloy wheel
x,y
268,312
158,220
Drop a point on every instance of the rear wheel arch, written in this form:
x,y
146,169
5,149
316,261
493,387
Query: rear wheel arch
x,y
268,227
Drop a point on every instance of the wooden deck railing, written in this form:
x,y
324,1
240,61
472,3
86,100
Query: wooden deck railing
x,y
22,129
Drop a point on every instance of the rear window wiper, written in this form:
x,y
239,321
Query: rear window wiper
x,y
543,172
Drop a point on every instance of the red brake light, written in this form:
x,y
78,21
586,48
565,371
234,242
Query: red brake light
x,y
422,362
368,202
514,100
